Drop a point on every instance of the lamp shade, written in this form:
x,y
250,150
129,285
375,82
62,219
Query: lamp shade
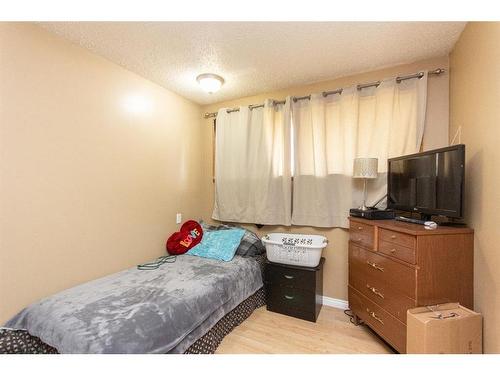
x,y
365,168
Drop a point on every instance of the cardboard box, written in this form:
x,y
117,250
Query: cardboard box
x,y
444,329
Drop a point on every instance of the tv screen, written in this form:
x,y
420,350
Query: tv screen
x,y
430,182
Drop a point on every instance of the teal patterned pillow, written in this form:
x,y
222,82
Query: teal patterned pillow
x,y
221,244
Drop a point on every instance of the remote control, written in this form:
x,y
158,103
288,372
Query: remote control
x,y
427,224
410,220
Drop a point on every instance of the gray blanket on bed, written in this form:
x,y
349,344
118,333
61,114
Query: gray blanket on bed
x,y
133,311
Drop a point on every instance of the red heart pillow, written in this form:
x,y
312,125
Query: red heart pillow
x,y
188,237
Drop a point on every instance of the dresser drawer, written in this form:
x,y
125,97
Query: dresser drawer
x,y
395,250
381,293
362,234
290,277
291,301
298,299
390,328
372,267
398,238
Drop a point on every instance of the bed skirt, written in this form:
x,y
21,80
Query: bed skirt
x,y
21,342
210,341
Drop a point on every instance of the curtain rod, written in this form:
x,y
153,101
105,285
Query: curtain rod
x,y
332,92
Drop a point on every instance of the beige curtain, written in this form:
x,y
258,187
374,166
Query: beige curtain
x,y
252,165
329,132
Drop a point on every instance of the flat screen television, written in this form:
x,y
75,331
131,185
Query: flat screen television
x,y
430,183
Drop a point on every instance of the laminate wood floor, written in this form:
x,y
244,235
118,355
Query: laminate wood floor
x,y
265,332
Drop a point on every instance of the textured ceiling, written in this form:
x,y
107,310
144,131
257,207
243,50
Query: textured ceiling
x,y
256,57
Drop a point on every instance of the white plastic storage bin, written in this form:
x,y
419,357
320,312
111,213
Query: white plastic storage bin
x,y
295,249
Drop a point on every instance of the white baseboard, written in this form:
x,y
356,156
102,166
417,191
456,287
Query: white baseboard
x,y
336,303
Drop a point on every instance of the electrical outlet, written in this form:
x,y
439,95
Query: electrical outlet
x,y
178,218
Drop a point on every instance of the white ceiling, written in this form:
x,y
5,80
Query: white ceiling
x,y
256,57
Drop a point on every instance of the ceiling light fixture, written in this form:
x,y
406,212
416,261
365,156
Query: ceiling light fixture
x,y
210,82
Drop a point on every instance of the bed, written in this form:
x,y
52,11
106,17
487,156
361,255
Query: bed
x,y
183,307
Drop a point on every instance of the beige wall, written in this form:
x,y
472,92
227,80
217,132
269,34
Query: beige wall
x,y
87,187
474,107
436,135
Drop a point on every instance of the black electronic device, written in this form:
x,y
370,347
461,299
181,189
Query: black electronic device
x,y
429,183
372,213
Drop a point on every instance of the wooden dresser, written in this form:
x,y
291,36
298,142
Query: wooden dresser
x,y
394,266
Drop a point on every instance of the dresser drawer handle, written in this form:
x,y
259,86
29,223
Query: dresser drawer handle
x,y
360,228
289,297
393,236
288,277
393,250
374,316
375,265
374,291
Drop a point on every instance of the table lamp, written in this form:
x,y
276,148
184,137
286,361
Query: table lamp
x,y
365,168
